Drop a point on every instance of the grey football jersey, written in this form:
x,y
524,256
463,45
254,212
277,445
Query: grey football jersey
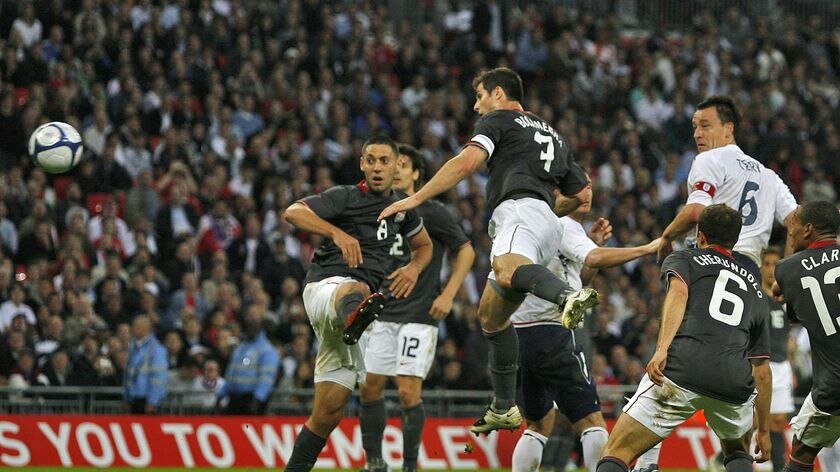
x,y
354,209
809,281
725,324
779,331
526,157
445,233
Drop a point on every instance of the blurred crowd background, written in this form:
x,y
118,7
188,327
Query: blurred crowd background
x,y
203,120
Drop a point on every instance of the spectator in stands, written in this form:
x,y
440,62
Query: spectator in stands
x,y
146,372
8,232
208,385
188,296
27,373
252,371
249,252
16,307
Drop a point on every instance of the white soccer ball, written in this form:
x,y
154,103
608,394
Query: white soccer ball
x,y
55,147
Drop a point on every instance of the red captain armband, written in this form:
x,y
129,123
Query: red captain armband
x,y
705,187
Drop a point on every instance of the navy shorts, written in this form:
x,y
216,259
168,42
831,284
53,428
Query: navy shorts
x,y
552,370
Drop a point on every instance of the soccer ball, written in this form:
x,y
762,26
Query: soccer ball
x,y
55,147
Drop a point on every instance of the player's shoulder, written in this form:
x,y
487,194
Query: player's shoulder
x,y
500,118
568,223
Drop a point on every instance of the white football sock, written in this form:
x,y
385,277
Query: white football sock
x,y
650,457
528,452
593,439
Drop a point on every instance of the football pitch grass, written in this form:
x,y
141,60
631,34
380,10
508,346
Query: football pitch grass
x,y
181,469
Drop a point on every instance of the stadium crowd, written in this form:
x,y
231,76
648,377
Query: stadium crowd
x,y
203,120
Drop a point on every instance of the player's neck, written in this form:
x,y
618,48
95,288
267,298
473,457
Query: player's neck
x,y
823,241
510,105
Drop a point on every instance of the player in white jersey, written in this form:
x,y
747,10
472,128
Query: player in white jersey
x,y
723,173
553,371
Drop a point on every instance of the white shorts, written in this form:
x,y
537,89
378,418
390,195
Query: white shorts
x,y
814,427
527,227
782,401
662,409
336,362
400,348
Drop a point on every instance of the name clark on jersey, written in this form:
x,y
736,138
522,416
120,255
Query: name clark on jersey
x,y
809,262
526,122
710,259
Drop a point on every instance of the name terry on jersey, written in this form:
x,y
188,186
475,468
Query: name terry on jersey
x,y
526,122
809,263
749,165
712,259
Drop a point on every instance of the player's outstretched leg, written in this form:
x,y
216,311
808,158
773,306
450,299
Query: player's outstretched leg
x,y
362,316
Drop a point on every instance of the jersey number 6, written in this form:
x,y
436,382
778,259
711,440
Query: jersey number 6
x,y
719,294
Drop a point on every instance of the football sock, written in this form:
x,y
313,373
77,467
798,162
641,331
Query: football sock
x,y
738,462
528,452
795,466
650,457
349,303
536,279
372,418
777,453
612,464
307,447
413,419
593,440
504,360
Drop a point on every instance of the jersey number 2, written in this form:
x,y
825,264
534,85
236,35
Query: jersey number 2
x,y
719,294
546,155
813,286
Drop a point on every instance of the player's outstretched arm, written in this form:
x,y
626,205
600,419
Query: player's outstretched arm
x,y
688,216
789,248
461,265
764,385
673,312
466,163
405,278
604,257
302,217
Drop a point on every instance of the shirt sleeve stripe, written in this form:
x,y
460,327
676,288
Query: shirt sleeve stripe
x,y
483,142
758,356
673,272
415,230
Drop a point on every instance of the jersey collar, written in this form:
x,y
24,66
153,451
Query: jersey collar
x,y
363,186
823,243
722,250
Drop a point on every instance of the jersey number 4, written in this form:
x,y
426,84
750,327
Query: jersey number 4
x,y
546,154
813,285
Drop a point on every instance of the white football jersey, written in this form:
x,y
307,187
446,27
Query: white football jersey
x,y
727,175
573,247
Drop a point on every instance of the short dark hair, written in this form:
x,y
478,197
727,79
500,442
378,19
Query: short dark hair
x,y
381,139
502,77
726,110
772,250
418,162
822,215
720,224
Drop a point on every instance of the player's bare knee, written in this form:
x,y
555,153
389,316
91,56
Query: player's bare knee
x,y
409,397
370,392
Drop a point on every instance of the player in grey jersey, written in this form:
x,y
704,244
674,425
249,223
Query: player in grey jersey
x,y
807,282
401,342
351,263
781,405
710,314
532,176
